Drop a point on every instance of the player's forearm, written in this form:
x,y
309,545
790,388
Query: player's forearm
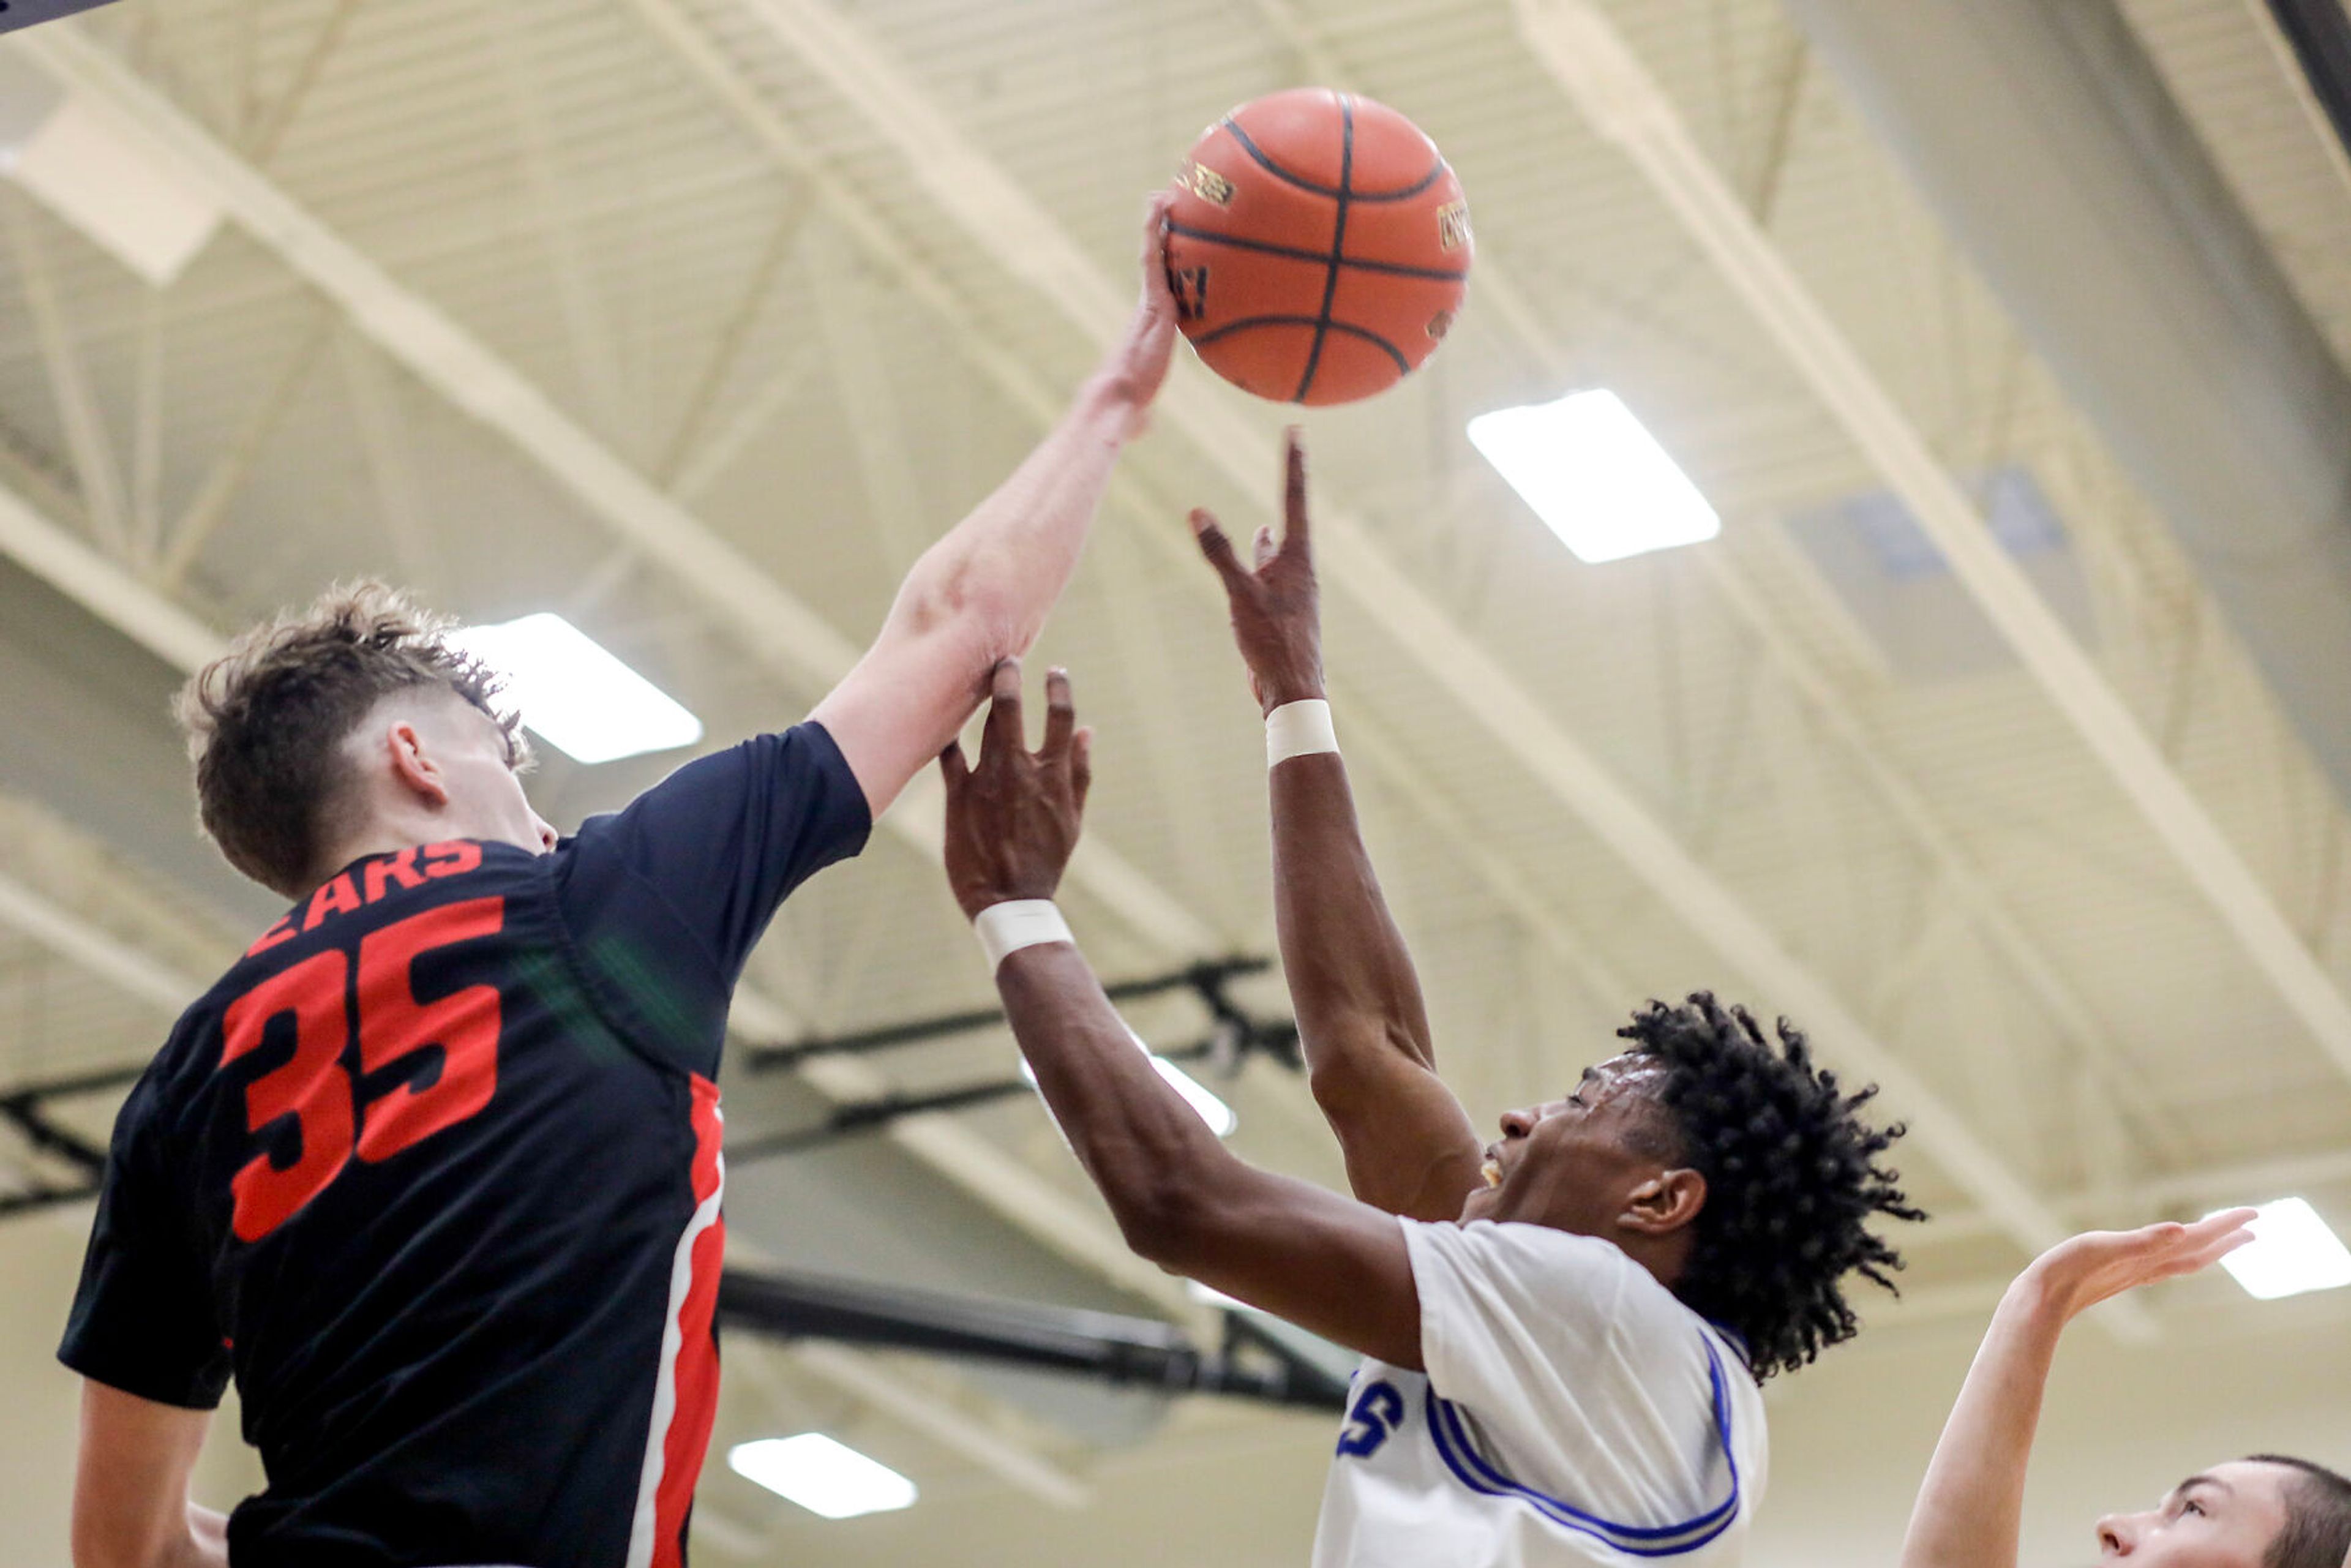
x,y
1146,1148
1350,978
989,581
1970,1507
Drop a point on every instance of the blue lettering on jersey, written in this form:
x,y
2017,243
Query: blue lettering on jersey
x,y
1377,1411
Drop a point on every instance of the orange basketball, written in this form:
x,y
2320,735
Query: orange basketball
x,y
1318,246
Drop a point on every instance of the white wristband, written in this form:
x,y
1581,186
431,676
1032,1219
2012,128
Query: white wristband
x,y
1298,729
1004,929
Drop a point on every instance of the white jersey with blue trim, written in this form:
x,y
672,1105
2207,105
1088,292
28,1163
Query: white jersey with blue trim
x,y
1573,1414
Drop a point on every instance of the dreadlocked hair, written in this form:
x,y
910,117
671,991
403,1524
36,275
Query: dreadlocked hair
x,y
1792,1178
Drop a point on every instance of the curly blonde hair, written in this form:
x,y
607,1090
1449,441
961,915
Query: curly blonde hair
x,y
265,721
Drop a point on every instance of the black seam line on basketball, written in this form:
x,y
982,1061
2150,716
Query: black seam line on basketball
x,y
1338,248
1319,257
1348,328
1436,173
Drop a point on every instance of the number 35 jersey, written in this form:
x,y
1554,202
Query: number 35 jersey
x,y
1573,1414
434,1171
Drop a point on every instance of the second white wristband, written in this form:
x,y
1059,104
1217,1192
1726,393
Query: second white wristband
x,y
1004,929
1298,729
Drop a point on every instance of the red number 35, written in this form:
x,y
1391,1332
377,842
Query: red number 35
x,y
312,1086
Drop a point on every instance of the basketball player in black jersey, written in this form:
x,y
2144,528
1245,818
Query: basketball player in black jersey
x,y
434,1171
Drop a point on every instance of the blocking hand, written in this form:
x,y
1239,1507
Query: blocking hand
x,y
1138,364
1276,610
2081,1273
1012,820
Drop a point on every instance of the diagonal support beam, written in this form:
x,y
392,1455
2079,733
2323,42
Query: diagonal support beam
x,y
764,617
1598,71
1000,216
77,410
96,949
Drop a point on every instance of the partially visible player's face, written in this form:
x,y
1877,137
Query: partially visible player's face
x,y
2225,1517
1571,1163
492,787
477,768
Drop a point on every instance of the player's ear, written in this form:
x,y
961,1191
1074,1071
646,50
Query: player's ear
x,y
413,764
1664,1203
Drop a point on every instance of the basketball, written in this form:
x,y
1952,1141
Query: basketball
x,y
1318,246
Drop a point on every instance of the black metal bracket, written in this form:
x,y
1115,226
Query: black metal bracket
x,y
26,12
1234,1037
24,1110
1125,1352
2320,36
1207,979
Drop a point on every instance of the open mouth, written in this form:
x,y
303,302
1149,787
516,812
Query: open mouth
x,y
1492,1171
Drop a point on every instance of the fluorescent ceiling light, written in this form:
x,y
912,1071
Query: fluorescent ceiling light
x,y
1595,476
575,696
106,176
1211,1110
821,1476
1214,1112
2292,1251
1210,1296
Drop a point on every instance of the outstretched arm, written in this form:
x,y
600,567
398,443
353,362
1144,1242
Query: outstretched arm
x,y
1410,1148
982,591
1971,1504
1334,1267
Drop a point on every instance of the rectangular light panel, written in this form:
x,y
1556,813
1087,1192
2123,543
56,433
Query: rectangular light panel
x,y
2292,1251
1595,476
574,694
106,175
823,1477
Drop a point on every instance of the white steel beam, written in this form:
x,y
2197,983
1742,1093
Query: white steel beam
x,y
96,949
147,434
391,463
233,465
105,590
764,616
869,404
1583,51
998,214
85,427
595,355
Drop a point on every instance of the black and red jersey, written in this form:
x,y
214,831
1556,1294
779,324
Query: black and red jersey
x,y
434,1172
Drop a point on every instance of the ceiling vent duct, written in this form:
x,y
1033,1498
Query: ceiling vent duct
x,y
2041,136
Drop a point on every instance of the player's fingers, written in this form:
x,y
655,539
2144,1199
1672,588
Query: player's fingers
x,y
1000,736
2216,1235
1061,713
1293,496
1219,549
2230,1242
1266,549
952,768
1156,288
1081,767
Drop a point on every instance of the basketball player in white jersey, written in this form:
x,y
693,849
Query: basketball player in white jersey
x,y
1564,1328
2266,1511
